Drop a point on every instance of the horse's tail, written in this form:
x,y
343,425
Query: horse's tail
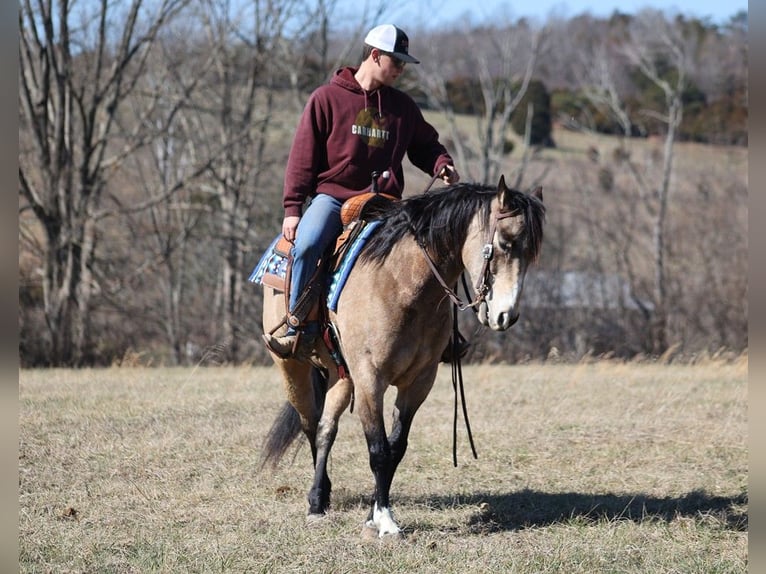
x,y
287,426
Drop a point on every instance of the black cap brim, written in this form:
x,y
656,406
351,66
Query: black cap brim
x,y
405,58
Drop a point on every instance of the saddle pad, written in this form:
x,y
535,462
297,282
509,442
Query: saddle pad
x,y
338,279
274,263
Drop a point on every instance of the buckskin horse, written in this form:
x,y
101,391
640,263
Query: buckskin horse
x,y
394,318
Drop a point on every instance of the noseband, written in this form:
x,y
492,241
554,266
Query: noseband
x,y
483,281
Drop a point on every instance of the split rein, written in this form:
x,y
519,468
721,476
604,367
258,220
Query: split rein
x,y
481,288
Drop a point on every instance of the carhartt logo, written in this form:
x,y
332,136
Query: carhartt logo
x,y
371,128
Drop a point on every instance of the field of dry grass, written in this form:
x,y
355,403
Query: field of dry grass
x,y
602,467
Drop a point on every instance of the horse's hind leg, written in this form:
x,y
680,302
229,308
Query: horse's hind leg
x,y
305,395
336,401
306,388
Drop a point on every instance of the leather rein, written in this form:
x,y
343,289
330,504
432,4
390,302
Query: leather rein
x,y
481,289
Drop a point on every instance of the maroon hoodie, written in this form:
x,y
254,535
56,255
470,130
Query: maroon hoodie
x,y
346,133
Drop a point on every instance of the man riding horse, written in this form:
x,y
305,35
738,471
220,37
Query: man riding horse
x,y
352,127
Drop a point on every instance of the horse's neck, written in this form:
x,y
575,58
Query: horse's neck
x,y
443,267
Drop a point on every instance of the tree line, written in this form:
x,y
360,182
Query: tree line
x,y
153,136
715,100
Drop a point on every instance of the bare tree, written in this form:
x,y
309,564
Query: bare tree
x,y
167,173
662,52
600,66
600,70
491,57
78,64
230,124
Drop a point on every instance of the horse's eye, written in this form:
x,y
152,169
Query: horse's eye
x,y
505,246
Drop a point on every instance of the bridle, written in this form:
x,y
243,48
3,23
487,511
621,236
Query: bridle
x,y
481,289
483,281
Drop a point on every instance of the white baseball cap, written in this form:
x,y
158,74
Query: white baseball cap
x,y
391,40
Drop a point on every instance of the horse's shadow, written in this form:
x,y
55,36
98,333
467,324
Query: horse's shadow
x,y
531,508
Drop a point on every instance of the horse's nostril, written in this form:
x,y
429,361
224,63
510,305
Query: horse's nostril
x,y
506,320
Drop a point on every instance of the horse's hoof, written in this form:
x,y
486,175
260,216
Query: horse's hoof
x,y
371,532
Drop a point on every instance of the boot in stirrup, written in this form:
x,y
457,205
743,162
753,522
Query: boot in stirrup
x,y
292,345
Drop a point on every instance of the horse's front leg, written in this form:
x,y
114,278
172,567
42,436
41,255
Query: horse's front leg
x,y
387,452
336,401
408,401
381,464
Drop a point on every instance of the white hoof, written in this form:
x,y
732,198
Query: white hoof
x,y
383,520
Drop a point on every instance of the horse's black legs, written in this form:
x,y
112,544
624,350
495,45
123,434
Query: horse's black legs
x,y
386,452
385,456
319,495
381,463
382,466
336,401
400,431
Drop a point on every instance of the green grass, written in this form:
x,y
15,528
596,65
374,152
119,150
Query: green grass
x,y
604,467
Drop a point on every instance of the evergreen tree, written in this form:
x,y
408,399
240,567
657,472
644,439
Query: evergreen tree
x,y
542,124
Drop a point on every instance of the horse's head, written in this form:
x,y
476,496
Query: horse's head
x,y
500,250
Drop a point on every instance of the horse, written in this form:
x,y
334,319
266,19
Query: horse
x,y
393,321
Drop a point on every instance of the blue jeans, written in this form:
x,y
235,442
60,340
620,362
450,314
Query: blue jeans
x,y
319,226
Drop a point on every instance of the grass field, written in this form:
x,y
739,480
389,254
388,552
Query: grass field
x,y
602,467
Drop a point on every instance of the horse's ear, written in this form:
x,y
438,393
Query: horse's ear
x,y
502,191
538,192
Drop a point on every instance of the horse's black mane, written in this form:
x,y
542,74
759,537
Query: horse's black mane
x,y
439,220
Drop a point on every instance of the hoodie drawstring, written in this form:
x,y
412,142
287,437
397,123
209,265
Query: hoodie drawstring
x,y
380,102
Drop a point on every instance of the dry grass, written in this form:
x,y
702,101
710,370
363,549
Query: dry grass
x,y
602,467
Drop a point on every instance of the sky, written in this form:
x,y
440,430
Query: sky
x,y
432,12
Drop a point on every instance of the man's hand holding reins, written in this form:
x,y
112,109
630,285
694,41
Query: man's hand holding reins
x,y
449,174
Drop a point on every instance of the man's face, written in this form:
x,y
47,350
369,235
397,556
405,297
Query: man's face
x,y
389,67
